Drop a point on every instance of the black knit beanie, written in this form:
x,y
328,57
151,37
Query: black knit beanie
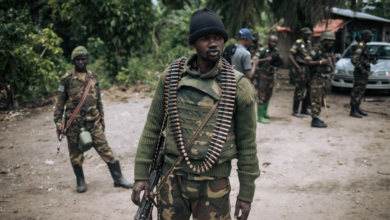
x,y
206,21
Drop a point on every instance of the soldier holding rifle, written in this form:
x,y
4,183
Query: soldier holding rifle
x,y
82,86
202,116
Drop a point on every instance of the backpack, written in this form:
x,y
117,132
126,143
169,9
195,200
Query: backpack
x,y
228,52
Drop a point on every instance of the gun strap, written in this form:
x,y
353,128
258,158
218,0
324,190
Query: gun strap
x,y
187,148
77,109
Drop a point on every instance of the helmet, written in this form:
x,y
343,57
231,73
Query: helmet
x,y
327,35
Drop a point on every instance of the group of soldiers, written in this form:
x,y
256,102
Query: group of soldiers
x,y
313,67
182,113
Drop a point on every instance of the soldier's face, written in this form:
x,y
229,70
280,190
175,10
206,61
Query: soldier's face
x,y
272,42
306,36
81,62
329,43
209,47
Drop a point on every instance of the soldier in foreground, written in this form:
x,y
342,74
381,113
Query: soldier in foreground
x,y
324,66
362,63
186,94
90,117
298,55
269,60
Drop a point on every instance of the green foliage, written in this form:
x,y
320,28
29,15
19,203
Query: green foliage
x,y
121,27
30,58
378,8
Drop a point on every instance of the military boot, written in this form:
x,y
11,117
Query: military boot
x,y
265,111
360,111
296,109
260,115
304,110
355,113
78,171
317,123
116,173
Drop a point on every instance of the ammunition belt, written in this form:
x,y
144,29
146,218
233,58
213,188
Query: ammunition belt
x,y
224,116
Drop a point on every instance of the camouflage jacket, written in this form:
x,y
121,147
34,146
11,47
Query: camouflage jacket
x,y
197,92
71,90
361,59
301,51
321,52
265,52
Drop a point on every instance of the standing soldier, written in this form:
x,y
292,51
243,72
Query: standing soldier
x,y
199,185
269,60
323,63
362,63
298,55
90,117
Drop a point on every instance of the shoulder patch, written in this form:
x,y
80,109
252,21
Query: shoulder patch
x,y
361,44
276,49
308,41
61,88
262,49
299,41
359,50
295,47
313,52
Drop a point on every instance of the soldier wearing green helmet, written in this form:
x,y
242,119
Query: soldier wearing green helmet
x,y
323,65
90,117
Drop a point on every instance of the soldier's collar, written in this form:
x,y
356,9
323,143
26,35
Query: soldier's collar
x,y
192,69
74,74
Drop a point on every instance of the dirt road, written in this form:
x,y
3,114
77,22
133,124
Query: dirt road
x,y
341,172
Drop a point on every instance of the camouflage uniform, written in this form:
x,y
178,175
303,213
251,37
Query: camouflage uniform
x,y
205,196
302,81
360,60
90,116
321,77
267,71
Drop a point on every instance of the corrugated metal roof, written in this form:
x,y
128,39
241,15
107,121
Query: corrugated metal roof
x,y
359,15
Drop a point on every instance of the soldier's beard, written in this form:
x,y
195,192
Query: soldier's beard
x,y
211,59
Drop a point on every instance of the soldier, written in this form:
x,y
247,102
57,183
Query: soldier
x,y
323,63
90,117
362,63
298,55
269,60
200,185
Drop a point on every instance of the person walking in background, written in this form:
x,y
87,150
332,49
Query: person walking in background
x,y
241,59
269,59
298,55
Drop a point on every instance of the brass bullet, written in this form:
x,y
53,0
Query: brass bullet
x,y
173,112
185,154
225,112
228,104
219,136
227,100
215,153
224,125
231,92
217,140
193,169
227,108
183,151
223,120
220,132
186,158
202,168
218,145
188,162
172,108
214,157
225,116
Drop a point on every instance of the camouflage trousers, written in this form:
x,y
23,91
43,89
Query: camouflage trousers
x,y
302,84
99,141
359,88
317,92
264,91
206,198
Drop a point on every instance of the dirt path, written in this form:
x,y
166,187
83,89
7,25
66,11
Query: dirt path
x,y
342,172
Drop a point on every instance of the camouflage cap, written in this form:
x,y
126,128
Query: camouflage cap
x,y
367,33
306,30
80,50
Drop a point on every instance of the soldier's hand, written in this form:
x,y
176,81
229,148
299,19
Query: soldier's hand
x,y
140,185
325,61
58,133
245,208
299,69
268,59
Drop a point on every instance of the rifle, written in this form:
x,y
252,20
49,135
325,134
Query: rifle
x,y
62,129
144,212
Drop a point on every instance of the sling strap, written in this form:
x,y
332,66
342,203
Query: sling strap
x,y
80,104
187,148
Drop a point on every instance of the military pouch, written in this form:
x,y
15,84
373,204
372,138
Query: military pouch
x,y
85,140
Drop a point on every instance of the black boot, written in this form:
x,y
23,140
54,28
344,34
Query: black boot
x,y
116,173
304,110
360,111
296,109
317,123
355,113
80,179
